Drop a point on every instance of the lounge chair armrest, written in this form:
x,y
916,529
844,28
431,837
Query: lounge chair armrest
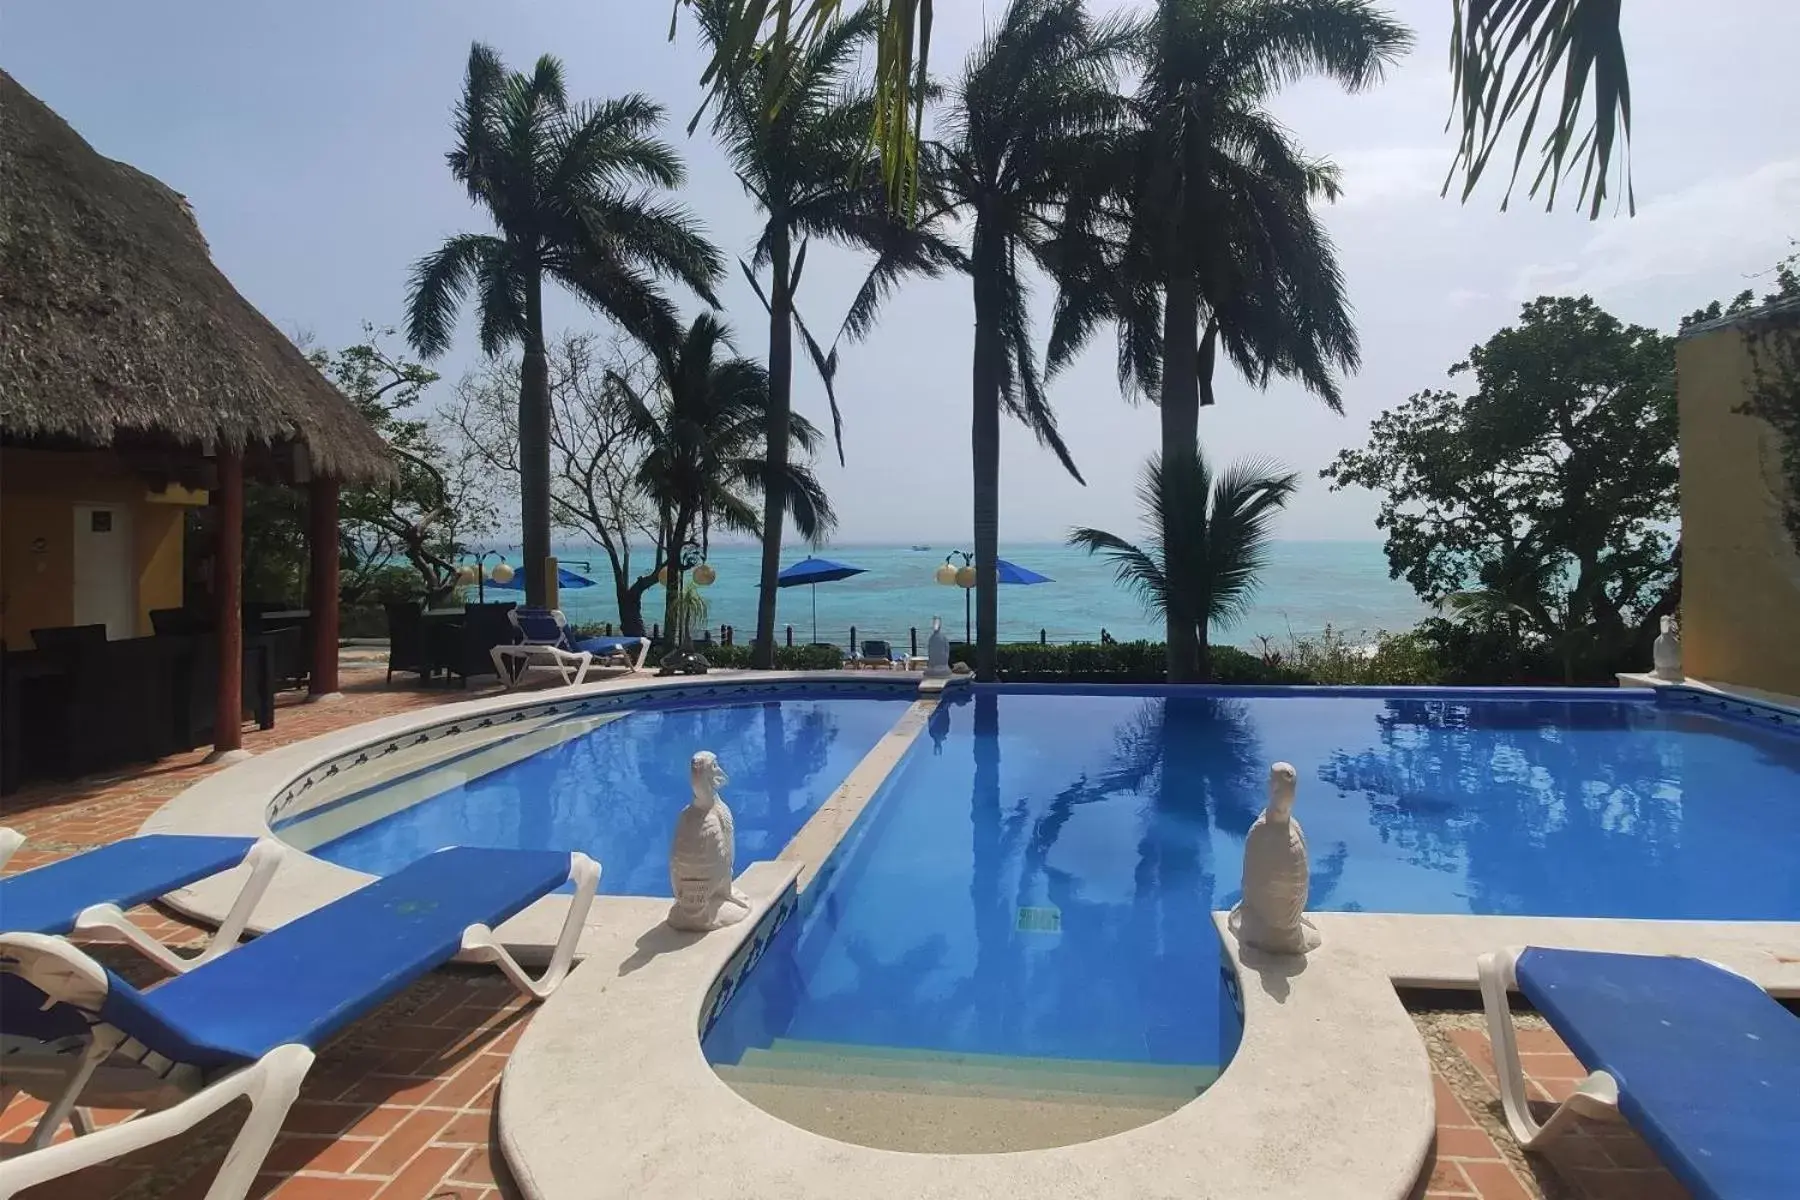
x,y
1596,1097
480,944
10,841
262,860
59,969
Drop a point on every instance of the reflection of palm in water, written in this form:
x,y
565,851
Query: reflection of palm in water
x,y
1512,796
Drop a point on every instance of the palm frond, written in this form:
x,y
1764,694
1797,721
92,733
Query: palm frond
x,y
1135,569
439,282
1506,57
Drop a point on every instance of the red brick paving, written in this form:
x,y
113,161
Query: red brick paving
x,y
400,1107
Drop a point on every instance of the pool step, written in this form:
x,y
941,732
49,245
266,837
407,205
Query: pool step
x,y
904,1099
414,774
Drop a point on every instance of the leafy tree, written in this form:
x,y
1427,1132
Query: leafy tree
x,y
570,188
706,465
1544,499
1223,524
1036,100
595,452
1217,245
795,128
421,523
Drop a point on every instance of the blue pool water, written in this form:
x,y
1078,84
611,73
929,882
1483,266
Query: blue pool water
x,y
1037,877
614,793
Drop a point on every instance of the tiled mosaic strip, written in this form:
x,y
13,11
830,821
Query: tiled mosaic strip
x,y
1772,715
730,691
746,958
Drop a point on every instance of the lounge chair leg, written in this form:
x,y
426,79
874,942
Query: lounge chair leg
x,y
272,1093
480,944
83,1123
10,841
1596,1097
99,1048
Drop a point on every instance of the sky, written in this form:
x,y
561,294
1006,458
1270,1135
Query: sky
x,y
310,141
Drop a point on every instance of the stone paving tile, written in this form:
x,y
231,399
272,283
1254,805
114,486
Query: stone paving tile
x,y
400,1107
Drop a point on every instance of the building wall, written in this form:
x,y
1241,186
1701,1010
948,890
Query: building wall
x,y
1740,589
38,493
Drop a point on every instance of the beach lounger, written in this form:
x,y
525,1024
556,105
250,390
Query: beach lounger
x,y
1702,1063
876,654
246,1025
89,892
545,641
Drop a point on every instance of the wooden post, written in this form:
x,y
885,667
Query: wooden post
x,y
552,593
228,595
323,542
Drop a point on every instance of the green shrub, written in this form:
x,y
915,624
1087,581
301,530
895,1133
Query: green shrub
x,y
787,658
1116,662
1332,657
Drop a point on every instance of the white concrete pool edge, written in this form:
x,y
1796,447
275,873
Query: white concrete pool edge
x,y
235,802
1329,1094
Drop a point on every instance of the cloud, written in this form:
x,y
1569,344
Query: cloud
x,y
1390,174
1740,222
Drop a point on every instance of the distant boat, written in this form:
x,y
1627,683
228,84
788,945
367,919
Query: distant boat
x,y
921,547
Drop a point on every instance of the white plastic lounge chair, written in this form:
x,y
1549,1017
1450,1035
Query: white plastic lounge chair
x,y
89,892
1702,1062
544,641
248,1024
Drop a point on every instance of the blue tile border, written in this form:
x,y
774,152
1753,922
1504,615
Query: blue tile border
x,y
1755,712
746,957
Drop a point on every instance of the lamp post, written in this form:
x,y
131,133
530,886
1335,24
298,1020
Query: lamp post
x,y
478,573
951,575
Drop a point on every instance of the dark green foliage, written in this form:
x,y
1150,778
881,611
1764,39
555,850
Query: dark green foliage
x,y
1118,662
1541,503
787,658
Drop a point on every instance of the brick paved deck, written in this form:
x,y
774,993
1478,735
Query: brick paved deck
x,y
400,1107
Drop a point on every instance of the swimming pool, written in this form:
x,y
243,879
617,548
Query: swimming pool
x,y
613,791
1036,877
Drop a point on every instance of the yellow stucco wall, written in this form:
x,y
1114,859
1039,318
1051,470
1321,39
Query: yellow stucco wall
x,y
1740,585
38,493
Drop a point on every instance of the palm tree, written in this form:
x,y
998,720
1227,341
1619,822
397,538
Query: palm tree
x,y
1222,525
1506,56
1036,101
795,128
706,466
570,188
1213,242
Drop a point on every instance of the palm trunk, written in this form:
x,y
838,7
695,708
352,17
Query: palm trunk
x,y
534,446
678,530
781,380
1180,446
984,444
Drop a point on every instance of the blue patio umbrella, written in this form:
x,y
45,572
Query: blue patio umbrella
x,y
1013,573
811,572
565,580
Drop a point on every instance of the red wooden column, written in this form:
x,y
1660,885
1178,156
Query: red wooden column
x,y
228,594
323,541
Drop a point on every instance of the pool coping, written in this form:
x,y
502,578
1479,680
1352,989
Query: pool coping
x,y
1329,1093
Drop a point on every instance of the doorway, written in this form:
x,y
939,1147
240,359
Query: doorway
x,y
105,578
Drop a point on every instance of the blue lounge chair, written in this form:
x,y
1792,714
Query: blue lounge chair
x,y
89,892
545,640
1702,1062
247,1024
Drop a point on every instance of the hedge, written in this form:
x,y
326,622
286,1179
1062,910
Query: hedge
x,y
787,658
1117,662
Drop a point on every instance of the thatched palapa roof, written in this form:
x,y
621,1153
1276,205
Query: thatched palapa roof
x,y
115,324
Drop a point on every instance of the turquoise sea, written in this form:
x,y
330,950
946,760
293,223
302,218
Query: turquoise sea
x,y
1307,586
